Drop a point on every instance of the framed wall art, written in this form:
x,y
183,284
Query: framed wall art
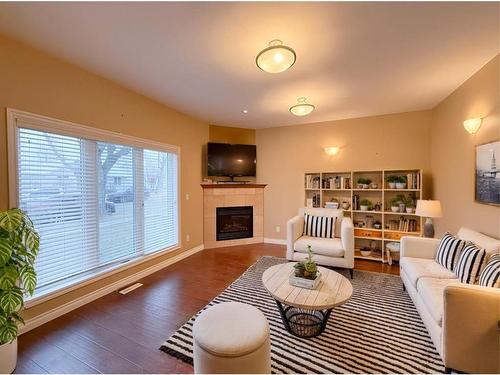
x,y
487,184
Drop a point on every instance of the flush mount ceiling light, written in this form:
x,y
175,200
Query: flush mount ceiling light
x,y
276,58
332,150
302,108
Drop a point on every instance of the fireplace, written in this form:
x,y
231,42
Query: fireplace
x,y
234,222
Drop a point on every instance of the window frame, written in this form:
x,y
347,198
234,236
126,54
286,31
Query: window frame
x,y
49,124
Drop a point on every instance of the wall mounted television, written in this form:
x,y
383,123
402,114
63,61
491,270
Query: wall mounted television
x,y
231,160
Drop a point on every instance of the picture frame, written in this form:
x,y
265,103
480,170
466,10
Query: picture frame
x,y
487,173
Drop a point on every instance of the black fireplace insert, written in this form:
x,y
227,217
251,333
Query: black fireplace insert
x,y
234,222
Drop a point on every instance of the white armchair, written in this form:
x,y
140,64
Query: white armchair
x,y
335,252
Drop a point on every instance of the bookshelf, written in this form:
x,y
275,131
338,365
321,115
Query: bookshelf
x,y
378,225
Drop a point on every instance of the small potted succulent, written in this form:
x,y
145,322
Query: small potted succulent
x,y
391,181
364,183
19,244
306,274
401,182
365,205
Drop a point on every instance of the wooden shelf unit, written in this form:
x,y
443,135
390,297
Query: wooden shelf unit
x,y
323,192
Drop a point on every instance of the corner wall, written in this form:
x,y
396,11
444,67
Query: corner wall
x,y
284,154
453,151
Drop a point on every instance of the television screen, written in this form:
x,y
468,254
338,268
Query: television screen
x,y
231,160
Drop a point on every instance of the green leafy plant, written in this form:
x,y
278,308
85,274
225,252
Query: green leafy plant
x,y
19,244
409,201
310,267
401,179
307,268
364,181
392,179
397,200
366,202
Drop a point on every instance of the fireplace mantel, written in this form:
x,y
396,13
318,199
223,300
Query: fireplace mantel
x,y
232,195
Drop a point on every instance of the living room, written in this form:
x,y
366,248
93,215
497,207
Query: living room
x,y
367,152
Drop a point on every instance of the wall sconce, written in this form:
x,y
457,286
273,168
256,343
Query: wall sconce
x,y
332,150
472,125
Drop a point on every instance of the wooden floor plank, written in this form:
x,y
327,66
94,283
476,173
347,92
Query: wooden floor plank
x,y
122,333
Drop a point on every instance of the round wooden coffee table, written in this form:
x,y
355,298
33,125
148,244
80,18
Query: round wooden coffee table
x,y
305,312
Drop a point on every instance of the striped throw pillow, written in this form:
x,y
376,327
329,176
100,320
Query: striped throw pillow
x,y
469,264
319,226
449,250
490,275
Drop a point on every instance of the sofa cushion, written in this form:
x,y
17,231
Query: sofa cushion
x,y
490,244
449,250
322,246
329,212
430,291
469,264
416,268
490,276
319,226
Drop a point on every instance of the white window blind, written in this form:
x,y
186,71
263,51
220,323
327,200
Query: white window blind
x,y
95,204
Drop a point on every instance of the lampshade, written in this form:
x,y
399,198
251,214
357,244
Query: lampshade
x,y
428,208
472,125
276,58
302,108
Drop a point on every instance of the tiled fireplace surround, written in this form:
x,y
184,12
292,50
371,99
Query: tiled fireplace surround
x,y
219,195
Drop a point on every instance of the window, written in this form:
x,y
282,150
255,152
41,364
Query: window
x,y
95,202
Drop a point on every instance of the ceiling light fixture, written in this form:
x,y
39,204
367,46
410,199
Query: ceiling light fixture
x,y
332,150
472,125
245,111
276,58
302,108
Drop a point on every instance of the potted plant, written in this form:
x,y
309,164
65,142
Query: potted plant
x,y
401,182
391,181
396,202
306,274
410,204
363,183
365,205
310,268
19,244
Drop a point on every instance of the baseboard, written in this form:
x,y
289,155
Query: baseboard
x,y
276,241
83,300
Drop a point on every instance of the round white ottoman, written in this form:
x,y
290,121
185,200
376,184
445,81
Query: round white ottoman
x,y
231,337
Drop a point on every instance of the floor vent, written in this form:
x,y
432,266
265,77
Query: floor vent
x,y
130,288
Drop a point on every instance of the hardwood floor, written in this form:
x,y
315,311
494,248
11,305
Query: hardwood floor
x,y
122,333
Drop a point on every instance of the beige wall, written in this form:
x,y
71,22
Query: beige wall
x,y
35,82
453,151
228,134
284,154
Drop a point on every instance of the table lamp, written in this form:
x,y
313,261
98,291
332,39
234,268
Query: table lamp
x,y
428,209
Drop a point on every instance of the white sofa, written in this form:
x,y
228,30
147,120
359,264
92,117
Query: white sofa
x,y
462,319
334,252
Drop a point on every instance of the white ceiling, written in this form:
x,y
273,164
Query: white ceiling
x,y
353,59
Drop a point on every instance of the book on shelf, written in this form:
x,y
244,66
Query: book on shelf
x,y
402,225
413,180
312,181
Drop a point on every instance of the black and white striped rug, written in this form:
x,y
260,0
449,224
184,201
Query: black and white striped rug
x,y
378,331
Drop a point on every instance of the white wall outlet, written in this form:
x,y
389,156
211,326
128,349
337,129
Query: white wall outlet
x,y
188,238
278,229
187,196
